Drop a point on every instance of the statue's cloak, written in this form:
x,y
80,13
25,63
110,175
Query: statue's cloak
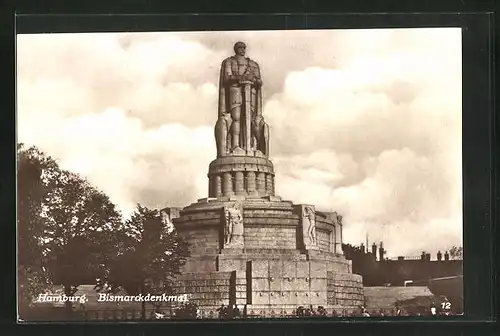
x,y
223,88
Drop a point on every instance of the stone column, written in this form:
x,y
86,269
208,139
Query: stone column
x,y
335,238
338,239
261,183
272,184
334,233
269,184
340,235
227,184
332,240
211,191
218,186
239,187
251,186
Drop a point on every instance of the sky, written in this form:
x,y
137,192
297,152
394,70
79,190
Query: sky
x,y
363,122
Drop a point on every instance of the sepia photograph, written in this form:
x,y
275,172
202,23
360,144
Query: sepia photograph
x,y
275,174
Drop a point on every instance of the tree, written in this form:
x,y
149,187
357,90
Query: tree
x,y
33,169
65,224
152,256
457,252
80,233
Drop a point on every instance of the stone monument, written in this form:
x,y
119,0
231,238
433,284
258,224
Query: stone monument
x,y
249,247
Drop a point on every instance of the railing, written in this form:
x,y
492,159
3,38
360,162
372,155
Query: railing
x,y
120,315
419,258
405,258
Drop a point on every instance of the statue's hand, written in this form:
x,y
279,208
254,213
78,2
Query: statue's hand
x,y
258,120
247,77
233,79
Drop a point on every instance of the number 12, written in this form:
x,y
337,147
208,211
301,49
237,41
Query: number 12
x,y
445,305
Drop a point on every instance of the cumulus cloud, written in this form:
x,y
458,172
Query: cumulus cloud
x,y
126,160
364,122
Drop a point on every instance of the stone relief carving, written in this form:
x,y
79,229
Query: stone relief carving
x,y
339,219
233,226
338,237
310,216
307,214
166,219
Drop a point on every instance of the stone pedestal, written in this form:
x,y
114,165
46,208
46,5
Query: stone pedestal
x,y
241,175
273,272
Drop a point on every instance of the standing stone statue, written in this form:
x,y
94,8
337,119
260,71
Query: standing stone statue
x,y
240,128
233,226
167,216
307,216
310,215
338,247
167,220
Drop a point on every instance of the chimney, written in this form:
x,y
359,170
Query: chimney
x,y
362,246
428,257
439,256
422,256
367,243
446,256
381,253
374,250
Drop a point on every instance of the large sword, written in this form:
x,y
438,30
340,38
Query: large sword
x,y
247,91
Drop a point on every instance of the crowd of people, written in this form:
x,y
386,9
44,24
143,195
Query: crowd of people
x,y
232,312
229,312
191,311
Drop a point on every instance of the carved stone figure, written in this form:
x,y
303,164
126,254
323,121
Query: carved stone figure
x,y
240,127
233,228
166,219
339,238
310,215
308,225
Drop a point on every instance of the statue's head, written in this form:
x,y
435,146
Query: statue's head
x,y
240,48
309,211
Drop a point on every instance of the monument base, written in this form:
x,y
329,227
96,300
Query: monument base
x,y
272,271
273,288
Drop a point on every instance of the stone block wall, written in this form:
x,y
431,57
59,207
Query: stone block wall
x,y
200,264
323,239
345,289
339,266
231,262
270,224
288,283
210,290
203,241
272,286
270,237
272,273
